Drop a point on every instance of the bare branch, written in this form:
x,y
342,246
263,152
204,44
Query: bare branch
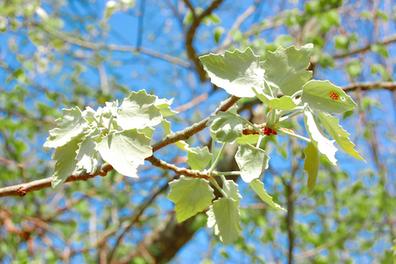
x,y
386,41
113,47
237,24
391,86
190,35
24,188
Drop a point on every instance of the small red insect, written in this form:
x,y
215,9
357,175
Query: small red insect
x,y
334,96
269,131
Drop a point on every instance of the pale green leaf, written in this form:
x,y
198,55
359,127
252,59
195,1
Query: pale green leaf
x,y
237,72
87,157
258,187
227,126
163,106
167,130
311,164
251,161
286,69
324,145
283,103
125,151
231,189
224,218
65,158
247,139
327,97
198,158
340,135
138,111
69,126
190,196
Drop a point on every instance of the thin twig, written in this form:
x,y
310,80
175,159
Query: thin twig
x,y
190,36
386,41
24,188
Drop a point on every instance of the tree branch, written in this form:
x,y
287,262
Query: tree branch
x,y
391,86
190,35
24,188
386,41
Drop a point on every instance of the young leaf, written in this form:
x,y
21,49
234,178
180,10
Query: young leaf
x,y
65,157
340,135
231,189
190,196
311,164
69,126
327,97
258,187
251,161
198,158
87,156
324,145
167,130
236,72
227,126
283,103
138,111
286,68
125,151
223,217
163,105
247,139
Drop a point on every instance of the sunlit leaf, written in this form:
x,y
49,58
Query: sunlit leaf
x,y
286,69
87,157
283,103
224,218
311,164
340,135
327,97
258,187
198,158
65,157
237,72
251,161
324,145
227,126
190,196
138,111
125,151
69,126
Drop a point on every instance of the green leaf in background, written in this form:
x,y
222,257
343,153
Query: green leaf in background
x,y
251,161
69,126
198,158
227,126
286,69
283,103
340,135
138,111
125,151
65,157
324,145
327,97
224,218
258,187
311,164
237,72
190,196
